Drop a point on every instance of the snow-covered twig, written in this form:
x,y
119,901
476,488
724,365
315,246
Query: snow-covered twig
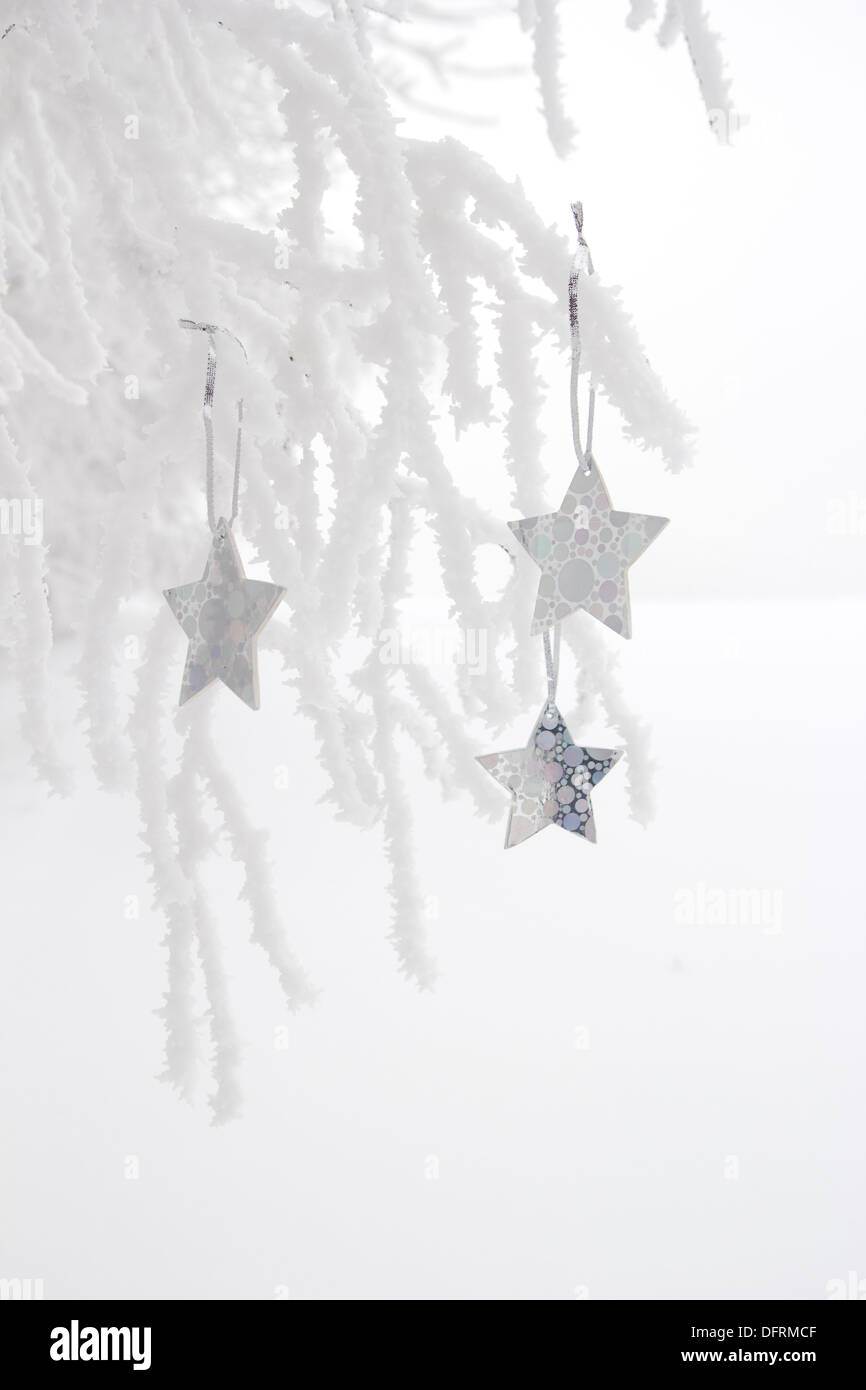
x,y
251,173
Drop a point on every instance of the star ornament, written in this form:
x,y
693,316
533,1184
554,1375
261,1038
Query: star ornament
x,y
550,780
221,614
584,552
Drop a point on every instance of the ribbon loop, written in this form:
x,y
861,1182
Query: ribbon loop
x,y
581,263
207,415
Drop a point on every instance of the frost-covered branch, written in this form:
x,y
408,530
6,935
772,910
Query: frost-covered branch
x,y
540,18
689,19
158,162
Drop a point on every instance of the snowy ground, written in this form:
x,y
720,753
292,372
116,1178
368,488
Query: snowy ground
x,y
599,1100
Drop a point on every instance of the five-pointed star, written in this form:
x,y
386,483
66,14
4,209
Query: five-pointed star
x,y
584,551
550,779
221,613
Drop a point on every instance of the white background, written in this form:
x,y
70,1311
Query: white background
x,y
598,1099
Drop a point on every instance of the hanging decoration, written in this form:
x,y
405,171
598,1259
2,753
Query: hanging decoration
x,y
223,612
552,777
584,551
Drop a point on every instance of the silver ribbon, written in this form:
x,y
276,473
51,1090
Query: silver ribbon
x,y
207,415
551,662
582,260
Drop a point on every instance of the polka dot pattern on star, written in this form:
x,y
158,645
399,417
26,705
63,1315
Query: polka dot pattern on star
x,y
550,780
584,551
